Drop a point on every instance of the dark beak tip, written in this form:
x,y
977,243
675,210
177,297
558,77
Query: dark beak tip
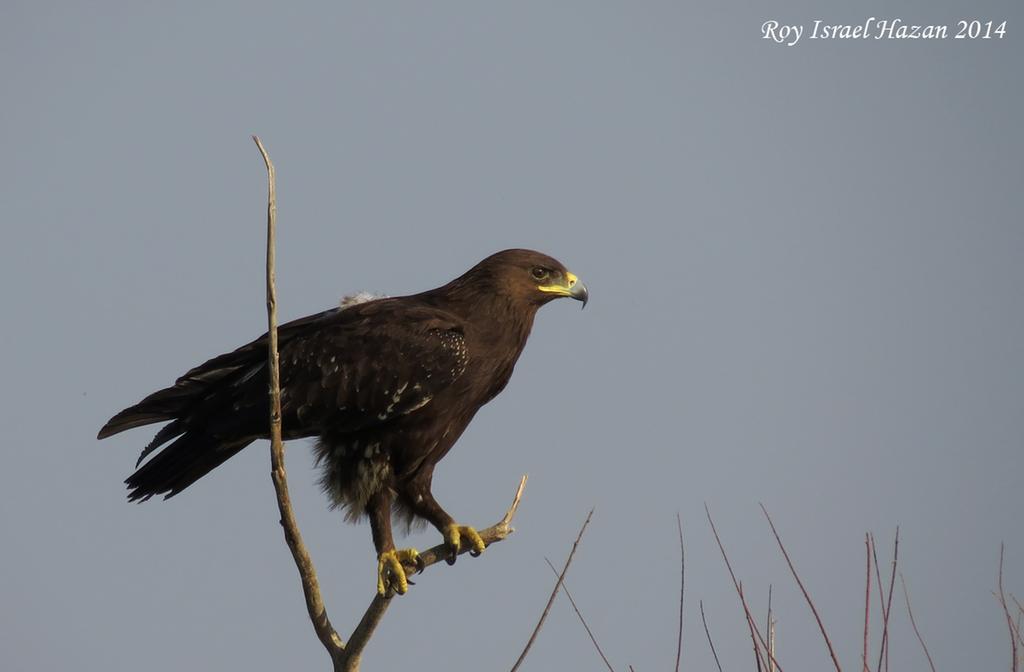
x,y
580,293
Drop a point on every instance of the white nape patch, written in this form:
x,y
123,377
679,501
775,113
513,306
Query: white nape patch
x,y
350,300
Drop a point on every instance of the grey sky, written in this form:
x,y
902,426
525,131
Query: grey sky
x,y
805,274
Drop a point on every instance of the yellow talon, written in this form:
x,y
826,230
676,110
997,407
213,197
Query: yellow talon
x,y
455,535
391,573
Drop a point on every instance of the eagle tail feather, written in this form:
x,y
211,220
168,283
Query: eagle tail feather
x,y
176,401
179,465
167,404
166,433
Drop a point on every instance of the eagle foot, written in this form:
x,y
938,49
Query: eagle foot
x,y
457,535
392,576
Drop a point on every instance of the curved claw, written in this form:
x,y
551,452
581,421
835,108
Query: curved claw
x,y
455,535
391,574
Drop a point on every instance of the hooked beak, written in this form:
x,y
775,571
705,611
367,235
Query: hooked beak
x,y
572,288
577,290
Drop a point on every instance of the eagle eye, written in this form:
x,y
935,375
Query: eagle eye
x,y
539,273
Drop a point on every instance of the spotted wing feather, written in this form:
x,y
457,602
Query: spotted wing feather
x,y
349,371
363,374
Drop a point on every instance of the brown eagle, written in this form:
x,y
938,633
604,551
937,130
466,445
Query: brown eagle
x,y
387,386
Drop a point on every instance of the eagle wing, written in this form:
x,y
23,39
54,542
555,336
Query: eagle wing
x,y
203,382
384,362
351,369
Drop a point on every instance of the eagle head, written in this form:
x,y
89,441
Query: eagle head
x,y
529,277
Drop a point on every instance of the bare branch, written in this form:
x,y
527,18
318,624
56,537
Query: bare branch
x,y
300,554
867,600
913,623
682,588
769,661
1019,636
1020,615
810,602
350,658
590,633
883,653
755,635
708,633
769,629
554,593
878,573
881,597
1009,619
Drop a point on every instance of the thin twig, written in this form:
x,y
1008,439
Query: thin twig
x,y
708,633
379,605
682,588
1020,615
1006,611
913,623
769,628
755,634
883,653
881,597
554,593
878,573
867,600
768,662
1015,625
892,584
586,626
810,602
300,554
